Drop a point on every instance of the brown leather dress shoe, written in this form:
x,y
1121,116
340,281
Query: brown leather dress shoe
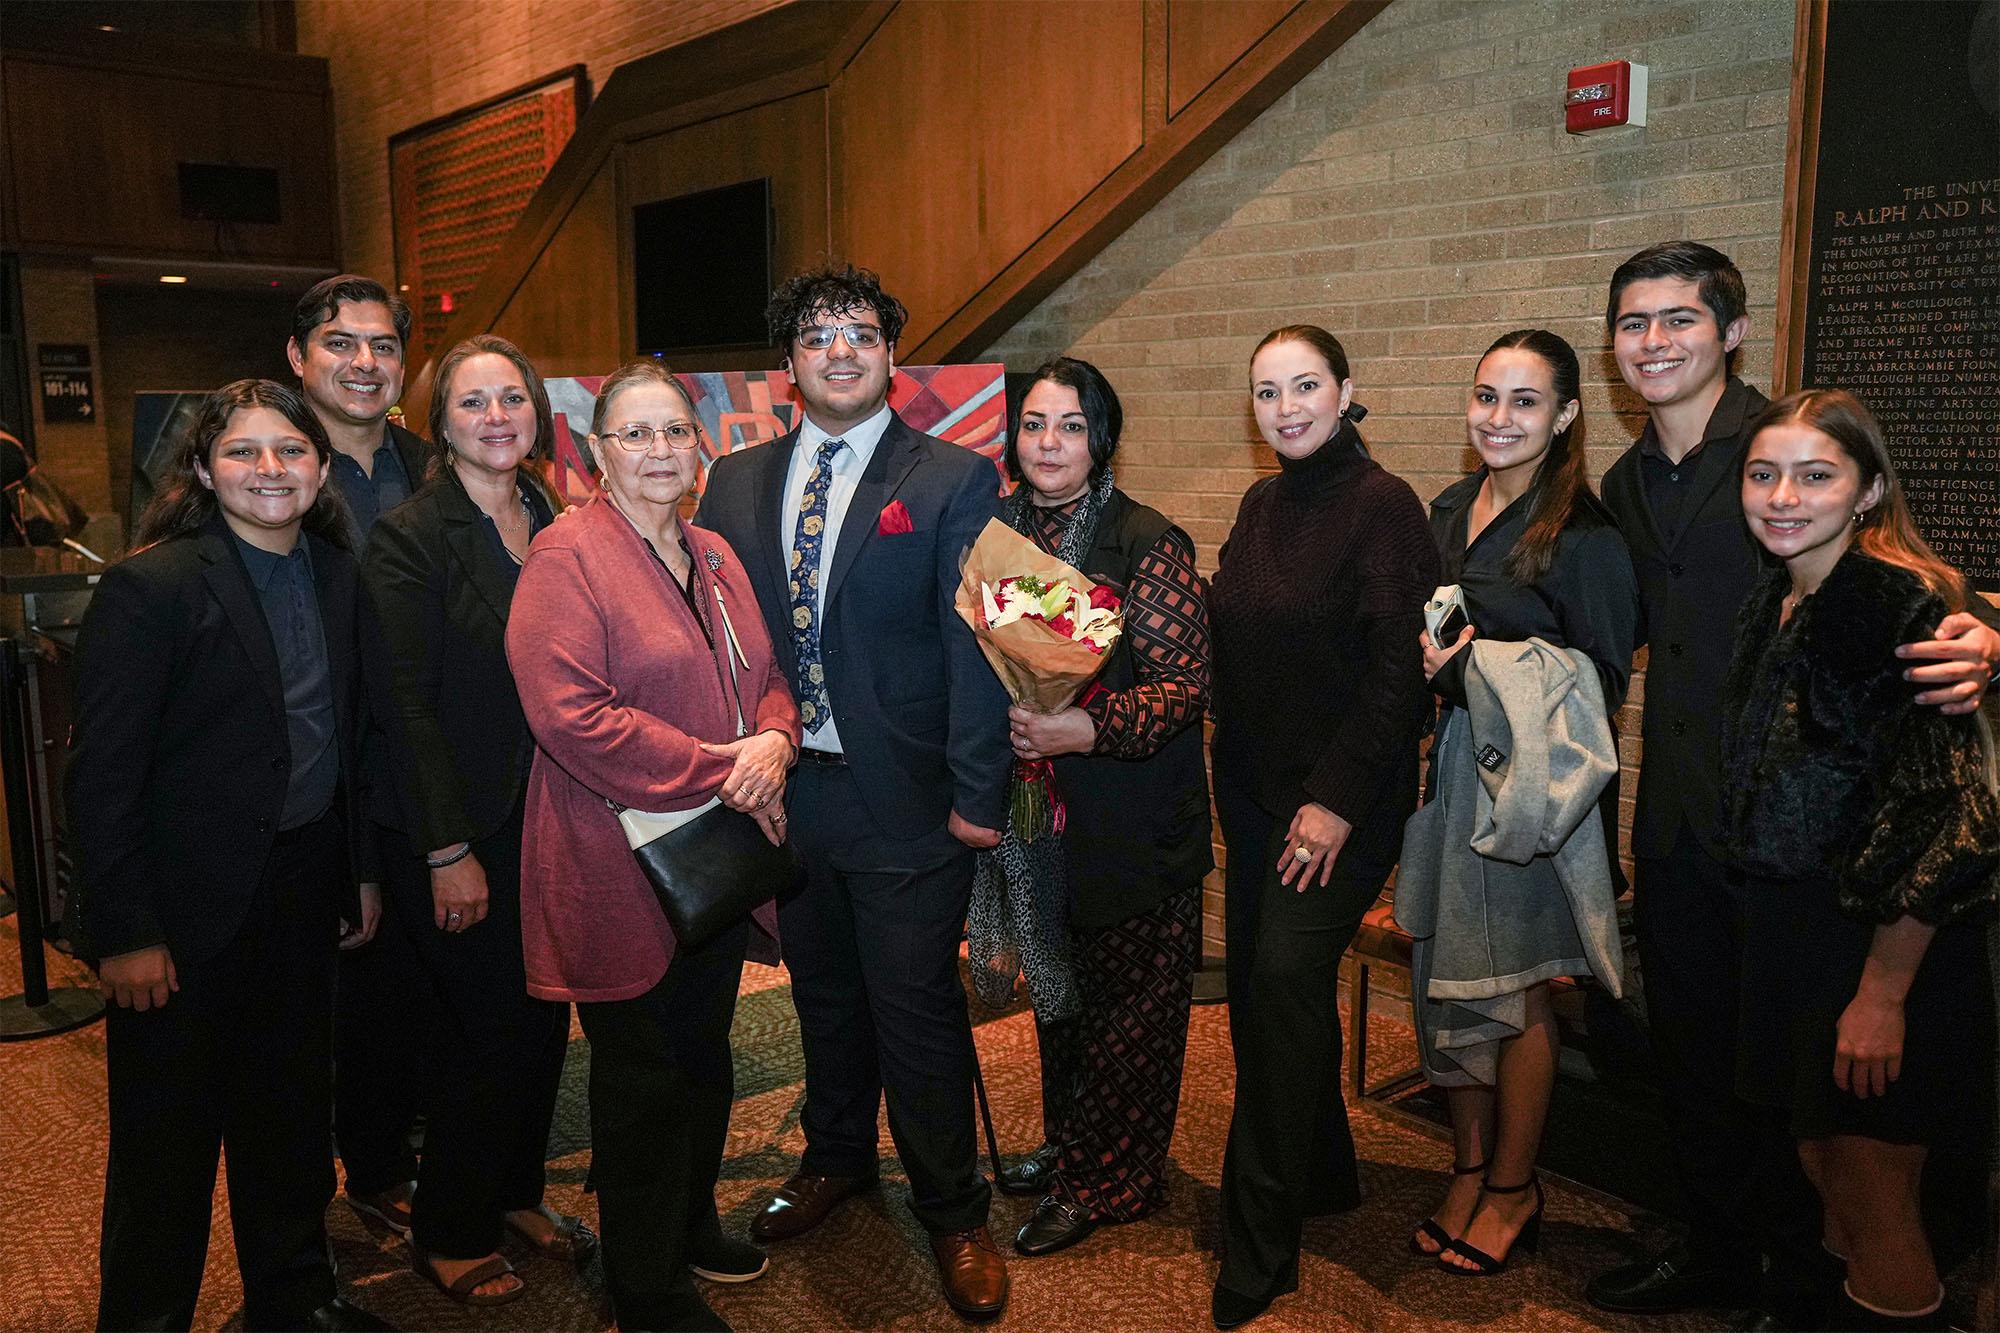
x,y
802,1203
975,1276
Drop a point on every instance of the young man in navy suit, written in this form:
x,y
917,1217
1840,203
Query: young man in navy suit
x,y
852,527
1676,314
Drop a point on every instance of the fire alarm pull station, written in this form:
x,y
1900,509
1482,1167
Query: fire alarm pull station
x,y
1601,96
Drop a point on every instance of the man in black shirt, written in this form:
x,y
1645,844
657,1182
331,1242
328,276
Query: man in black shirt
x,y
1677,314
347,348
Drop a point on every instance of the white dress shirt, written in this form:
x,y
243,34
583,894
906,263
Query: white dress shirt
x,y
848,465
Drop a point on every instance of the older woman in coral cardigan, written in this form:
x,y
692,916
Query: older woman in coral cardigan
x,y
621,642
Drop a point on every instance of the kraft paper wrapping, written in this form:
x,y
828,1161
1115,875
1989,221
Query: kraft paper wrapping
x,y
1042,670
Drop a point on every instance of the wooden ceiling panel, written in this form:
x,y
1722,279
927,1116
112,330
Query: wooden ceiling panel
x,y
93,152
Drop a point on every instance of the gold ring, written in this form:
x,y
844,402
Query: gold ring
x,y
1303,853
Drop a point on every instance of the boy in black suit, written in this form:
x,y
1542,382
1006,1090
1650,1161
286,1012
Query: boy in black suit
x,y
852,527
1676,314
212,790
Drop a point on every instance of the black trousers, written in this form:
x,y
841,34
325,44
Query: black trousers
x,y
1738,1166
661,1085
378,1065
872,944
1060,1048
239,1060
495,1054
1290,1154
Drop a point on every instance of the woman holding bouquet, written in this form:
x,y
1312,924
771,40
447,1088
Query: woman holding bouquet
x,y
1319,705
1135,843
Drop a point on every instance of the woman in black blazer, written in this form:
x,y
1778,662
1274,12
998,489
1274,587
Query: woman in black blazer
x,y
438,577
211,790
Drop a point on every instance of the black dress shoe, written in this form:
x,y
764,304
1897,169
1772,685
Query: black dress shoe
x,y
802,1203
1671,1283
1232,1309
337,1314
1056,1225
1031,1174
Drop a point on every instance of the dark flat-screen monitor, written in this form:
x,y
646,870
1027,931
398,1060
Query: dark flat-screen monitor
x,y
701,264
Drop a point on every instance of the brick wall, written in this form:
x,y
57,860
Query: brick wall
x,y
395,65
1417,195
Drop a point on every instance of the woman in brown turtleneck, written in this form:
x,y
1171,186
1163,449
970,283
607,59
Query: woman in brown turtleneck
x,y
1319,705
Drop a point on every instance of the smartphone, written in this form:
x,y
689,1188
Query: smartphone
x,y
1446,631
1444,615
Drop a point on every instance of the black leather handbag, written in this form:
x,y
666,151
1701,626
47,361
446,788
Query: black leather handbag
x,y
710,866
712,870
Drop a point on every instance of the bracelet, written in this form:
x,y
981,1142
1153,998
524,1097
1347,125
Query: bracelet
x,y
440,862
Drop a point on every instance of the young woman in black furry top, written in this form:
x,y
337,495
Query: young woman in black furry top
x,y
1868,839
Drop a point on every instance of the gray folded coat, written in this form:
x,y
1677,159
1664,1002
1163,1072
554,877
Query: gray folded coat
x,y
1505,879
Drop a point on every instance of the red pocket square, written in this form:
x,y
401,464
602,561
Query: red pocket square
x,y
895,520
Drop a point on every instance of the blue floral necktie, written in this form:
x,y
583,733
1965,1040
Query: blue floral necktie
x,y
814,710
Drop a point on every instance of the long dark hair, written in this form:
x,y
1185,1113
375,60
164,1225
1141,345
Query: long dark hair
x,y
1885,530
1098,401
1562,476
183,505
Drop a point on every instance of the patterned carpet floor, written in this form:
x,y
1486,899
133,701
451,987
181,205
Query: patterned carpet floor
x,y
868,1267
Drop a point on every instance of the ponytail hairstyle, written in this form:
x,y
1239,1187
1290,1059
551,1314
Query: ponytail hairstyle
x,y
1561,477
183,505
1885,530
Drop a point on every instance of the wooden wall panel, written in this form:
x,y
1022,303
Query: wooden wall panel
x,y
93,154
962,132
785,140
1206,37
565,313
977,153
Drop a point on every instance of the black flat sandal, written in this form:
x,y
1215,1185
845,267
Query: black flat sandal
x,y
1429,1226
1529,1237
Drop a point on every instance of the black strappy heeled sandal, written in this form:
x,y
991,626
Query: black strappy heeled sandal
x,y
1529,1237
1429,1226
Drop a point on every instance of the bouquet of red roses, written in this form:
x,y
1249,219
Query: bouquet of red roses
x,y
1046,629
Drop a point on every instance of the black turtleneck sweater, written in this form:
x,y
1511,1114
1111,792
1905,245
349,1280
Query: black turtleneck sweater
x,y
1316,606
